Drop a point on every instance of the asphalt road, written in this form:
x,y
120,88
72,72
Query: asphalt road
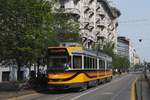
x,y
118,89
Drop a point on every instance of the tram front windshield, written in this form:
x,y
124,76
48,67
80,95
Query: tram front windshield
x,y
58,61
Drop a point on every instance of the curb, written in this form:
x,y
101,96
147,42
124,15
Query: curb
x,y
133,90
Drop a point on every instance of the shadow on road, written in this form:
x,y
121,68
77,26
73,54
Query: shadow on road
x,y
65,91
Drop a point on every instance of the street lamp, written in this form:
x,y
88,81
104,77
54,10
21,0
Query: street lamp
x,y
140,40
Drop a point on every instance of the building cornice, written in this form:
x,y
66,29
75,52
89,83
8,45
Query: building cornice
x,y
112,11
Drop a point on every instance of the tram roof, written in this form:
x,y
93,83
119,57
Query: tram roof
x,y
93,53
79,50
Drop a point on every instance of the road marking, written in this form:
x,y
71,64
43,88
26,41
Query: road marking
x,y
107,93
77,97
133,90
61,97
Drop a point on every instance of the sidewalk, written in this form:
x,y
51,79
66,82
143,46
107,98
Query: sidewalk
x,y
143,88
6,95
119,75
146,88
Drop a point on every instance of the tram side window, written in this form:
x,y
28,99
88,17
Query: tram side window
x,y
77,62
101,64
86,62
95,63
90,62
109,65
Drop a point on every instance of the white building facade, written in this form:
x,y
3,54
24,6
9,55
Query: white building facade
x,y
98,20
9,72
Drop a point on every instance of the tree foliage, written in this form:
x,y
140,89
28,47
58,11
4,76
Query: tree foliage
x,y
28,27
23,28
108,48
117,61
64,28
24,25
120,62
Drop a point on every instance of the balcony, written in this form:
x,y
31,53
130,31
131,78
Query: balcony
x,y
90,28
84,31
87,19
100,11
98,8
110,27
76,1
100,33
90,13
101,24
84,34
100,15
84,25
97,20
86,9
72,10
90,1
97,33
101,37
87,26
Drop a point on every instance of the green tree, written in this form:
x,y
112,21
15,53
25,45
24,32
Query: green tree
x,y
28,27
64,28
117,61
24,25
120,62
108,48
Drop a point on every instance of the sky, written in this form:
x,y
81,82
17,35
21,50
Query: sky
x,y
134,23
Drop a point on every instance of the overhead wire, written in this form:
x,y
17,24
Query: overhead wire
x,y
134,21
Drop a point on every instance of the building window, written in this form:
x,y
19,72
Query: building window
x,y
62,3
5,76
21,75
62,6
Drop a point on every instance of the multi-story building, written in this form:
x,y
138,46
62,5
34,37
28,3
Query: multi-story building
x,y
125,49
98,20
136,59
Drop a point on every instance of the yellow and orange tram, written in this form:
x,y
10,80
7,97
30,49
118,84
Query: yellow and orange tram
x,y
73,67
